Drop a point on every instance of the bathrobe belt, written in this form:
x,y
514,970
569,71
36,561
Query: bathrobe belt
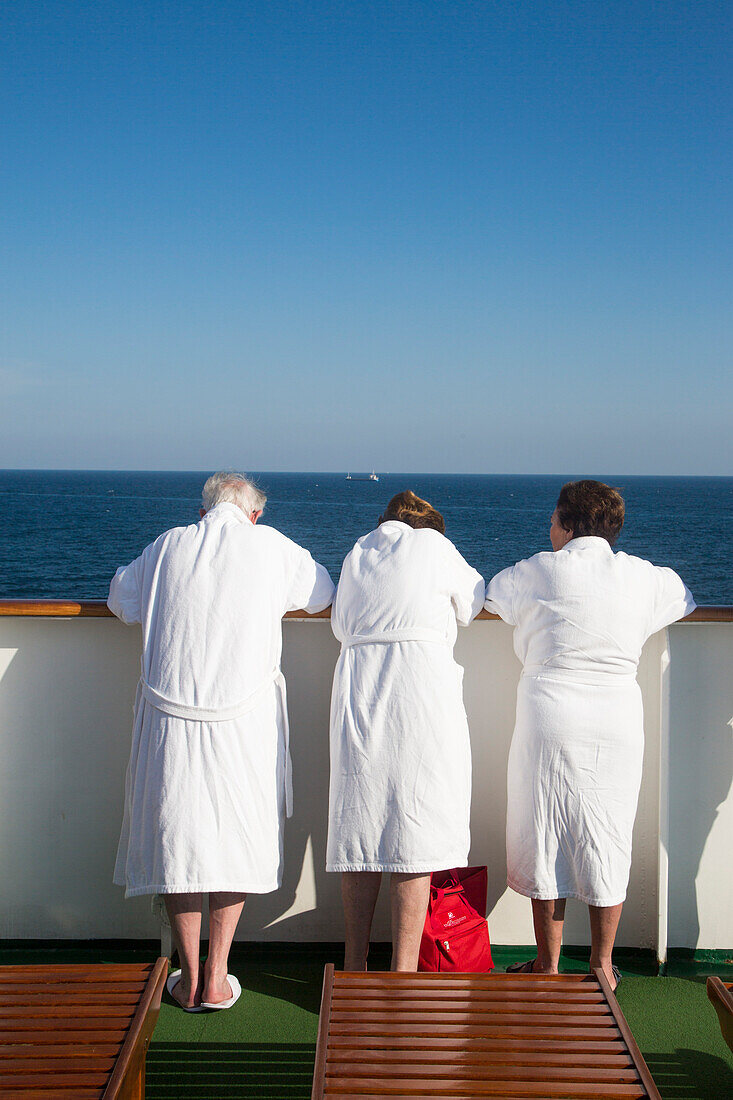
x,y
227,714
407,634
590,677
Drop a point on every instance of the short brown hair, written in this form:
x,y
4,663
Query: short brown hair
x,y
591,508
414,511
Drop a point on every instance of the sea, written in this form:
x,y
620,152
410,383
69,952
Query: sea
x,y
65,532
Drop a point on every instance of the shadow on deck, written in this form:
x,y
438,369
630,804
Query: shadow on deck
x,y
220,1071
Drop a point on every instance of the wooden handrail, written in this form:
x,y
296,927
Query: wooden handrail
x,y
97,609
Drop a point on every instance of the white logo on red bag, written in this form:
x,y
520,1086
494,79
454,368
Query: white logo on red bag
x,y
453,920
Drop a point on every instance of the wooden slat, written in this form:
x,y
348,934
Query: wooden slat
x,y
55,1065
116,1024
499,1071
442,1035
467,1096
560,990
121,1002
67,1012
98,972
428,1086
74,1092
392,996
465,1018
402,979
71,1031
478,1030
323,1029
453,1094
64,1050
141,1029
26,1079
720,994
471,1056
458,1043
117,991
643,1069
92,1036
481,1003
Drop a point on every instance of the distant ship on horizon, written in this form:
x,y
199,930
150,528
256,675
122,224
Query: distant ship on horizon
x,y
370,477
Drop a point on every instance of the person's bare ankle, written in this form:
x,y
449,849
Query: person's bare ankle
x,y
187,991
216,987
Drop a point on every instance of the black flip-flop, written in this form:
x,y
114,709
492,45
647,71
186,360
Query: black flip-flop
x,y
522,968
617,975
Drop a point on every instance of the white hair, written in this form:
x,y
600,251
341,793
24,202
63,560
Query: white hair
x,y
234,489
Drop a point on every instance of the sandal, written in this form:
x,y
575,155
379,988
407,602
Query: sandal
x,y
173,979
522,968
616,974
236,994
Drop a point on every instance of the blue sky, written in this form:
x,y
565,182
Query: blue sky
x,y
435,236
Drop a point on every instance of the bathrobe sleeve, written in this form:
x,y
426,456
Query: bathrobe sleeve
x,y
467,596
311,588
125,592
671,599
500,594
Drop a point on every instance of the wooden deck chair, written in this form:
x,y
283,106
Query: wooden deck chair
x,y
453,1036
80,1032
721,994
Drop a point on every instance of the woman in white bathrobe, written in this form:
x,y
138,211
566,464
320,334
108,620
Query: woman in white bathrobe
x,y
582,615
400,753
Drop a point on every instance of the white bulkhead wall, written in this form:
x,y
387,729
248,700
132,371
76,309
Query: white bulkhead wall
x,y
66,692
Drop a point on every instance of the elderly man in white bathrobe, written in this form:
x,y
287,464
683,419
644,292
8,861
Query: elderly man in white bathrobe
x,y
208,782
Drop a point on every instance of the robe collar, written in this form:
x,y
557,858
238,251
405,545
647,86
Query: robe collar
x,y
225,508
589,542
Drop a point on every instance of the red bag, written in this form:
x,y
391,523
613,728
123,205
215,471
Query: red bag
x,y
456,935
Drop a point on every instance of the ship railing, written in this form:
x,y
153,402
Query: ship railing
x,y
68,672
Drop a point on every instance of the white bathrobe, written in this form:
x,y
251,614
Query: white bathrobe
x,y
400,788
582,616
209,776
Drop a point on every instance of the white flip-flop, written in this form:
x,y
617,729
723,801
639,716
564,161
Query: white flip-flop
x,y
173,979
236,994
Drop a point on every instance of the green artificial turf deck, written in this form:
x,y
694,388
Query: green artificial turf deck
x,y
264,1047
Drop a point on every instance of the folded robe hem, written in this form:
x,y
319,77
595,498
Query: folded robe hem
x,y
544,895
399,868
201,888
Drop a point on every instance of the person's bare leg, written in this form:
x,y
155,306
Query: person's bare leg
x,y
359,893
603,927
184,914
548,917
409,896
225,909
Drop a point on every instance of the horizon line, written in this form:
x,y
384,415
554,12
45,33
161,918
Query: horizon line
x,y
330,473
